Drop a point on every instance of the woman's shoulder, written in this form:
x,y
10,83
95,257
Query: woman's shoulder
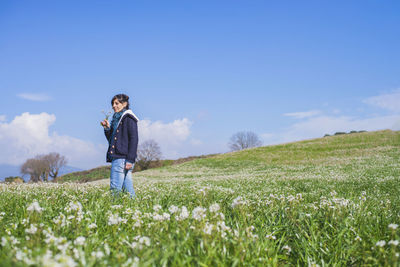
x,y
129,115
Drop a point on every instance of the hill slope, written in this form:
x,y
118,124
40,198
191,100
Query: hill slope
x,y
347,154
103,172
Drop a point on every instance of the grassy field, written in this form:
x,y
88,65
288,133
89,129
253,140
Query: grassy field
x,y
333,201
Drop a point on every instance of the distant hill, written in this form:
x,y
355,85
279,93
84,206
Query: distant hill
x,y
7,170
319,150
308,158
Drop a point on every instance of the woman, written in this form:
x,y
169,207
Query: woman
x,y
122,136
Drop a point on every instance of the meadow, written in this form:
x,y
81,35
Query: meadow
x,y
332,201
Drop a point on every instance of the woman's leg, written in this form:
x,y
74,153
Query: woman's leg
x,y
128,183
117,175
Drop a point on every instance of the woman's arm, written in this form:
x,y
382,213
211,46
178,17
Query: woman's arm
x,y
133,140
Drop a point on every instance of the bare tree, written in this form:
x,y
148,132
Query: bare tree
x,y
43,166
243,140
27,168
148,152
36,168
55,162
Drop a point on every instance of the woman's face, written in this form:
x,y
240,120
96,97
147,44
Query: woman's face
x,y
118,106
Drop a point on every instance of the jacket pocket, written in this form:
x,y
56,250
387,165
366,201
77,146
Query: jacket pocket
x,y
120,149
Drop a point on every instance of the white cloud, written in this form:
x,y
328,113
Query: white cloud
x,y
34,97
302,115
390,101
2,118
321,125
174,132
28,135
170,136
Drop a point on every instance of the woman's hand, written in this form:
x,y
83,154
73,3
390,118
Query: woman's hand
x,y
105,123
128,166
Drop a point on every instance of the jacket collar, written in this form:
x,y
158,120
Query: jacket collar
x,y
128,112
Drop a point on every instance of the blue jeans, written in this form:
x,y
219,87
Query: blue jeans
x,y
120,178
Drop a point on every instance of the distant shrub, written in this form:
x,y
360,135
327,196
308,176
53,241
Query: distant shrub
x,y
14,179
340,133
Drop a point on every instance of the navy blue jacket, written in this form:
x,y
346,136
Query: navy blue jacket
x,y
125,142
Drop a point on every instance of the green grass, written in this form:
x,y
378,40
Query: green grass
x,y
326,202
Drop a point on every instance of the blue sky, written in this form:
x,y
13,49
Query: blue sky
x,y
196,72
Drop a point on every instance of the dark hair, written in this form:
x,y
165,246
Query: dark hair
x,y
122,98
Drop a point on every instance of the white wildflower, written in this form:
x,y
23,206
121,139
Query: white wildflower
x,y
237,201
271,237
113,219
80,241
136,245
158,217
20,255
63,247
97,254
381,243
131,263
64,260
144,240
161,217
183,215
394,242
35,207
76,253
173,209
92,226
199,213
32,230
14,241
393,226
208,228
357,238
157,207
214,207
166,216
107,249
287,248
73,206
